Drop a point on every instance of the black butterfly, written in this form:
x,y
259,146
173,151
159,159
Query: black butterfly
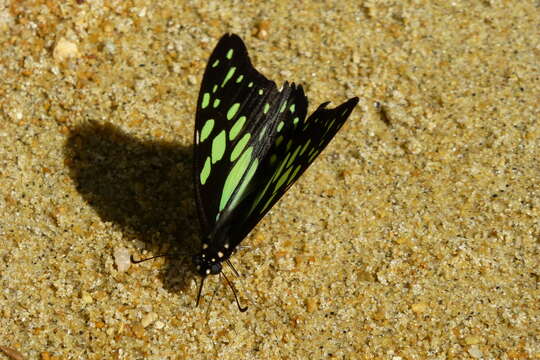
x,y
252,142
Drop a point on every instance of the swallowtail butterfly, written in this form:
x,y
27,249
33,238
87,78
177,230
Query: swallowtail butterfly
x,y
252,142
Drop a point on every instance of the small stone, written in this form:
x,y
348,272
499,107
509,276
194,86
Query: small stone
x,y
311,305
159,324
262,29
122,259
109,47
473,340
419,307
100,324
475,352
148,319
65,49
138,331
86,298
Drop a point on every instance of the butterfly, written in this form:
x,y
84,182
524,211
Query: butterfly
x,y
252,142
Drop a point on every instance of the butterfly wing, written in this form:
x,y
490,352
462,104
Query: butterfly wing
x,y
237,111
293,149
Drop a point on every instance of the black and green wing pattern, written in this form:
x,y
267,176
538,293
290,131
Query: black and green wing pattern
x,y
238,110
293,150
252,141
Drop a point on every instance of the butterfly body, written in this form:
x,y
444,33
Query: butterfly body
x,y
252,142
208,261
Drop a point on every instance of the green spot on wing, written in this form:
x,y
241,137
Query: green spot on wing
x,y
239,147
216,63
205,100
280,126
218,146
313,156
279,140
331,123
328,126
268,202
266,108
235,130
282,179
296,120
280,169
229,75
214,89
245,183
261,91
292,107
293,175
283,106
232,110
305,147
239,79
234,177
250,84
294,155
262,132
216,103
261,194
229,54
207,129
205,172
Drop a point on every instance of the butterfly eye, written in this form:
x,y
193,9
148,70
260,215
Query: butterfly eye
x,y
215,268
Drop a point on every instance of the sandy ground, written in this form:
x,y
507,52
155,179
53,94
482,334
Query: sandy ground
x,y
415,235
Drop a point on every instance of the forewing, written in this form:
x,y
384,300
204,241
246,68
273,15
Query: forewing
x,y
237,109
292,151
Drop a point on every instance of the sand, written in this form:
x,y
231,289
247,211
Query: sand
x,y
414,235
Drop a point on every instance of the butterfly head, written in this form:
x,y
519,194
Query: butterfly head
x,y
207,262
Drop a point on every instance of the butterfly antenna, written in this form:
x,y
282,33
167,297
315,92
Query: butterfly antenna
x,y
199,292
212,299
228,262
241,309
133,261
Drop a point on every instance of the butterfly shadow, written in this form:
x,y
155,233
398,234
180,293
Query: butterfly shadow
x,y
145,187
